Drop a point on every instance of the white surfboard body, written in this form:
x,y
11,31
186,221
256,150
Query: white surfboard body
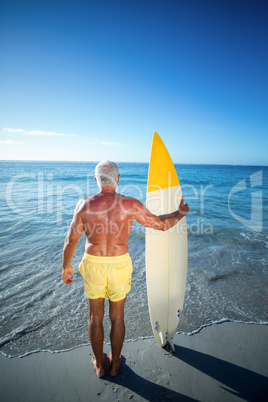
x,y
166,252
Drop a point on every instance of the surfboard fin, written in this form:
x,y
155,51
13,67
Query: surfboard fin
x,y
170,343
158,329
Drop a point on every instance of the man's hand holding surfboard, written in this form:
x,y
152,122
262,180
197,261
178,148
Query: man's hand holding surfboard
x,y
183,208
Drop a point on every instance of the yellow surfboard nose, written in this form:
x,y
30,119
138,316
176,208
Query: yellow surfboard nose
x,y
162,173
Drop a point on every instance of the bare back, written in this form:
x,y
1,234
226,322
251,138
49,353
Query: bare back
x,y
107,219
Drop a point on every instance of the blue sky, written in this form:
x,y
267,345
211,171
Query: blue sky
x,y
92,80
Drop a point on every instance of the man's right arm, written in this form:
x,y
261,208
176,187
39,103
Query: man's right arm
x,y
163,222
75,232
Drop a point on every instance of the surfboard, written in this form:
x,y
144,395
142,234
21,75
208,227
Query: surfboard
x,y
166,252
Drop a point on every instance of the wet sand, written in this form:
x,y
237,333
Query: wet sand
x,y
223,362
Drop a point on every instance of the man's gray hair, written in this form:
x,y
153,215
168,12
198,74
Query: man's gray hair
x,y
106,173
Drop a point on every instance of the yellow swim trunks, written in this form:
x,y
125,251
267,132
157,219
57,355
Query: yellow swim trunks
x,y
106,276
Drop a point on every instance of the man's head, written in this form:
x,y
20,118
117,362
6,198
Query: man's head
x,y
106,173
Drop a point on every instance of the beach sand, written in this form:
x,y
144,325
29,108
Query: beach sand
x,y
223,362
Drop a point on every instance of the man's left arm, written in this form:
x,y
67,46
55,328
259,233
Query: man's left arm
x,y
162,222
75,232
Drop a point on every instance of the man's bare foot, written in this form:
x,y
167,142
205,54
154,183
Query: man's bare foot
x,y
100,370
115,365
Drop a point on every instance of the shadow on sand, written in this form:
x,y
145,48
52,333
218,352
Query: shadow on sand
x,y
148,390
244,383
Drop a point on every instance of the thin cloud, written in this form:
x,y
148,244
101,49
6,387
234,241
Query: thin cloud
x,y
14,130
37,132
11,142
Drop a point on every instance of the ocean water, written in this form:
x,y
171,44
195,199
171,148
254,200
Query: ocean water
x,y
227,257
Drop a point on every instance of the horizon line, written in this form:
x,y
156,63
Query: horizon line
x,y
84,161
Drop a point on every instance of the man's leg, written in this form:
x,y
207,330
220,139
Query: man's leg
x,y
117,334
96,334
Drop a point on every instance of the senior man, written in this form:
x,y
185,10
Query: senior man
x,y
107,218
